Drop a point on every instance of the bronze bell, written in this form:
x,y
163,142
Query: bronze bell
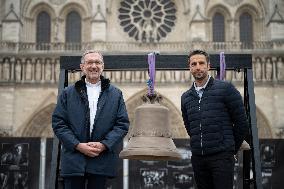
x,y
150,138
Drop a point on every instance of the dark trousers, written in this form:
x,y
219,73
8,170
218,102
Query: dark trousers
x,y
214,171
89,181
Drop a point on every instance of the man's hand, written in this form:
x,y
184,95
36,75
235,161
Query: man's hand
x,y
98,147
86,149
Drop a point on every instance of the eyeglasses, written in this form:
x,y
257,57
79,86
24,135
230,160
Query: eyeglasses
x,y
89,63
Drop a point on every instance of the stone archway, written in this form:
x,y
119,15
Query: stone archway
x,y
40,123
263,126
176,122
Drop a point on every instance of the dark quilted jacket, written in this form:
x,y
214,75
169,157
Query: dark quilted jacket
x,y
217,122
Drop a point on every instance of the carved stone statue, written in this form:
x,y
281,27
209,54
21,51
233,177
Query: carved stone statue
x,y
148,32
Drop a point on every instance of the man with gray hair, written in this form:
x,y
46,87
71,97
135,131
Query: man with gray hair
x,y
90,120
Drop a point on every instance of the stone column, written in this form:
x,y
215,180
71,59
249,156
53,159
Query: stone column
x,y
280,69
274,68
199,23
98,22
11,24
268,69
276,24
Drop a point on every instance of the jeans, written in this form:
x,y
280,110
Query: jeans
x,y
214,171
89,181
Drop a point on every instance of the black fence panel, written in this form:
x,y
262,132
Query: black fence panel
x,y
179,174
20,167
20,163
272,163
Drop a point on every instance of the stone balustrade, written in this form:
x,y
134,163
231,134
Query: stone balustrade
x,y
229,47
14,69
29,70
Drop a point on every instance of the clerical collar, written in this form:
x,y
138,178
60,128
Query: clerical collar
x,y
202,87
88,84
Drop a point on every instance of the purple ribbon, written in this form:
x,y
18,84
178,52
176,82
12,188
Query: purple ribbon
x,y
222,66
151,81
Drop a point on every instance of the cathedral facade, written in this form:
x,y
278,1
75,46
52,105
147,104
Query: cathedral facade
x,y
35,33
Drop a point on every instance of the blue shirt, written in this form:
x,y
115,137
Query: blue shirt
x,y
199,90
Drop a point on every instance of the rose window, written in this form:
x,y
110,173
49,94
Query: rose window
x,y
147,20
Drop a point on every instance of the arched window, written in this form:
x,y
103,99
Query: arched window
x,y
246,30
218,27
43,30
73,30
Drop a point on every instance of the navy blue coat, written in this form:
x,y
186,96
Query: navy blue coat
x,y
71,123
217,122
